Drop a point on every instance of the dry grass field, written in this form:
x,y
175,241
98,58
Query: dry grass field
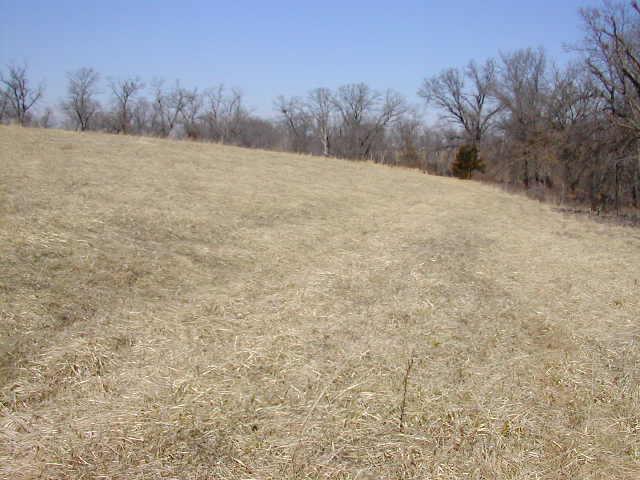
x,y
191,311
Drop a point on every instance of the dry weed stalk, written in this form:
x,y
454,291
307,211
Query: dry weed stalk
x,y
405,383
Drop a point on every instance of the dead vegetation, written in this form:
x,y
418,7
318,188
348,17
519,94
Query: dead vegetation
x,y
181,310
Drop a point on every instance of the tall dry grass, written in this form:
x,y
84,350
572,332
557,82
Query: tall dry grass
x,y
180,310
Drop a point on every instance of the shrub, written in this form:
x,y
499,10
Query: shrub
x,y
467,161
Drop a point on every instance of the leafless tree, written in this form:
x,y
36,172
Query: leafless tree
x,y
612,48
465,97
47,119
364,115
572,97
4,106
191,111
612,54
254,132
350,122
223,113
522,90
406,140
141,117
320,108
80,105
19,94
297,120
124,94
572,122
168,106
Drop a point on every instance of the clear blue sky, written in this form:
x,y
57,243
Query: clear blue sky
x,y
268,48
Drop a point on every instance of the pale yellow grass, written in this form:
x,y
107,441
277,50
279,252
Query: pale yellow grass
x,y
191,311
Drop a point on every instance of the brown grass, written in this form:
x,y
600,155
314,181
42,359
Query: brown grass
x,y
180,310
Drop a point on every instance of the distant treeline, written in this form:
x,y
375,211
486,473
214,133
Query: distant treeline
x,y
571,133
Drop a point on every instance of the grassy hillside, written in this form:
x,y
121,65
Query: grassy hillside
x,y
180,310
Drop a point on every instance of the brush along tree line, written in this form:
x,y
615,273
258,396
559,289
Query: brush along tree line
x,y
517,119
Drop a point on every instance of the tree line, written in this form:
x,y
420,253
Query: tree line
x,y
570,132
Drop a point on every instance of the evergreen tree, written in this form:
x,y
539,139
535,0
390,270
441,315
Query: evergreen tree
x,y
467,161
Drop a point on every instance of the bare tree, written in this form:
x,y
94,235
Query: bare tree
x,y
4,106
364,116
80,104
254,132
297,120
309,122
612,54
572,123
19,94
522,90
406,139
465,97
47,119
224,113
391,109
141,117
191,111
612,48
320,108
124,93
168,107
572,97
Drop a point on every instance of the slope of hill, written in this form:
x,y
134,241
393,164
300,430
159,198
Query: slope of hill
x,y
181,310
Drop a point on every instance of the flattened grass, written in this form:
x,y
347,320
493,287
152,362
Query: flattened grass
x,y
181,310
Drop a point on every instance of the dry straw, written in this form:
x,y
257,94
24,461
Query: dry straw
x,y
180,310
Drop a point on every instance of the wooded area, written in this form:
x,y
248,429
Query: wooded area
x,y
569,132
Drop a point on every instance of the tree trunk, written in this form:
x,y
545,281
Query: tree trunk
x,y
617,192
325,144
593,193
637,182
